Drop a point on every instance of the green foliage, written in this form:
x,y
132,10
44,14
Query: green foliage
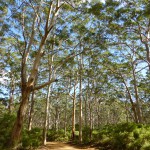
x,y
96,9
125,136
86,134
6,123
5,28
32,139
67,7
59,135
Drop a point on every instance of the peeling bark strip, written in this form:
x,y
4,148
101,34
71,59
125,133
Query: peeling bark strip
x,y
28,85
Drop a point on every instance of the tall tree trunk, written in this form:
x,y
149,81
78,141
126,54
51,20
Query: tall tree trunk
x,y
91,120
86,101
73,113
80,103
46,115
147,54
28,85
27,88
145,40
97,113
127,114
31,111
11,99
16,132
130,97
131,101
85,110
139,114
50,64
65,121
66,105
56,118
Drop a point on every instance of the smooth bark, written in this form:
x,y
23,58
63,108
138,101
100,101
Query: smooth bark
x,y
80,102
31,111
46,115
65,121
139,114
73,113
11,99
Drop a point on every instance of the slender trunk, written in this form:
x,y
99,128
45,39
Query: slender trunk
x,y
66,105
128,113
146,42
85,113
10,107
127,116
80,117
12,88
98,116
108,117
65,121
31,112
56,119
50,61
49,117
80,103
46,115
131,101
73,113
147,54
91,120
86,100
136,96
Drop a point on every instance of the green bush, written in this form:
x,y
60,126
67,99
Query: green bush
x,y
53,135
127,136
31,139
6,124
86,132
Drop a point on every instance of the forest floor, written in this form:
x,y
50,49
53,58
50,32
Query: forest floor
x,y
63,146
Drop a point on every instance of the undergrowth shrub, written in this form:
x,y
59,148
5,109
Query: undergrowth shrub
x,y
127,136
6,124
31,139
86,132
53,135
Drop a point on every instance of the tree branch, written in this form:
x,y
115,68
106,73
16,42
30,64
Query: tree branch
x,y
45,84
48,17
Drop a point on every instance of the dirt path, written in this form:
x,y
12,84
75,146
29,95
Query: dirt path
x,y
62,146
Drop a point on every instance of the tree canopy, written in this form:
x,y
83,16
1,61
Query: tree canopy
x,y
85,60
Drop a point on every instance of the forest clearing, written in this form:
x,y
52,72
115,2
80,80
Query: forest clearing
x,y
75,74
